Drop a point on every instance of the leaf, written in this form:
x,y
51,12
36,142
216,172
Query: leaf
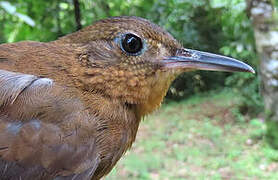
x,y
218,3
12,10
26,19
8,7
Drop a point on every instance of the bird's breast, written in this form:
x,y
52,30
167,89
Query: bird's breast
x,y
117,126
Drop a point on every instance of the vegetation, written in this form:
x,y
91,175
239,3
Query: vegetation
x,y
264,24
201,138
222,136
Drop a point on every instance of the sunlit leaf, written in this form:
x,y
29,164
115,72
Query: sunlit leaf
x,y
26,19
8,7
218,3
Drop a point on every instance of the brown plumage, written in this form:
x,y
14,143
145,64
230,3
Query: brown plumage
x,y
69,109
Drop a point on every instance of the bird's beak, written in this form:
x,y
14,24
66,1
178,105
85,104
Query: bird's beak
x,y
192,59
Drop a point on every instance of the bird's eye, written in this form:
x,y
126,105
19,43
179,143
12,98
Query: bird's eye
x,y
132,44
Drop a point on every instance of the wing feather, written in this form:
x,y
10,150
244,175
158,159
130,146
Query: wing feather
x,y
44,131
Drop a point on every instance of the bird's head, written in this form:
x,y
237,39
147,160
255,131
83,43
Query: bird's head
x,y
131,59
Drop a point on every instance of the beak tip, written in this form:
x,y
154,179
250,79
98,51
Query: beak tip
x,y
251,70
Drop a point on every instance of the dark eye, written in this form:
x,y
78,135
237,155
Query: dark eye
x,y
132,44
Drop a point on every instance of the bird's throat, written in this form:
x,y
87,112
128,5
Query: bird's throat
x,y
158,91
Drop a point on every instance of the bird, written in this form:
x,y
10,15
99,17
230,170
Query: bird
x,y
70,108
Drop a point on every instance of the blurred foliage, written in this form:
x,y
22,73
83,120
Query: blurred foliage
x,y
219,26
182,141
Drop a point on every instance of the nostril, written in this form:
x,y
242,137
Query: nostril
x,y
189,53
184,52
